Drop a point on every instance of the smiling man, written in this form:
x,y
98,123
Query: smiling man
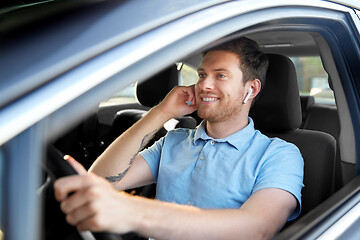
x,y
222,180
221,90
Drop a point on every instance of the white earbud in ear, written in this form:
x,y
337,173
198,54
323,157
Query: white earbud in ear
x,y
248,95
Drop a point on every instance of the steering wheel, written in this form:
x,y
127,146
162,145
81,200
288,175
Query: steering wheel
x,y
55,223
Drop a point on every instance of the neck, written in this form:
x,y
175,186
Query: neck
x,y
224,129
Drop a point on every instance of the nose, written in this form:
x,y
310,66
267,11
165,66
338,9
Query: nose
x,y
206,83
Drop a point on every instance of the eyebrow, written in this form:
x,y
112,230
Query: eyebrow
x,y
215,70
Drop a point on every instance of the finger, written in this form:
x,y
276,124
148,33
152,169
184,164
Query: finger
x,y
80,214
76,165
192,87
90,224
74,201
66,185
191,96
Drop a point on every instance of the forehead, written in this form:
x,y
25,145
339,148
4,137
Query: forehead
x,y
220,60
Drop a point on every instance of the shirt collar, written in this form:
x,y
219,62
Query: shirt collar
x,y
237,139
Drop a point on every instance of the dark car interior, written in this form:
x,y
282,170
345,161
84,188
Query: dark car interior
x,y
313,127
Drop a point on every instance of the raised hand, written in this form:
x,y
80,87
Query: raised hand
x,y
177,102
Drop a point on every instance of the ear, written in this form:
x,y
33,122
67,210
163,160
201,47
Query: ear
x,y
255,86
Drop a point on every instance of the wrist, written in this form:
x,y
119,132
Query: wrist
x,y
160,113
143,220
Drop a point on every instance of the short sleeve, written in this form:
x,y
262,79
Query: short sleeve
x,y
282,167
152,156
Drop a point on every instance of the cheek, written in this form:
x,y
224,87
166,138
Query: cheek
x,y
232,92
236,96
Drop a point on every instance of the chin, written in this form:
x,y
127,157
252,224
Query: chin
x,y
212,118
203,114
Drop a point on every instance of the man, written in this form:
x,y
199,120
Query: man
x,y
223,180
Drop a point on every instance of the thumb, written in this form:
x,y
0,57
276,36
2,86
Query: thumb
x,y
75,164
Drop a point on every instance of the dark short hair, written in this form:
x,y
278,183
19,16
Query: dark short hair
x,y
253,62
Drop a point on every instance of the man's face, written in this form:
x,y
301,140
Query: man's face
x,y
219,90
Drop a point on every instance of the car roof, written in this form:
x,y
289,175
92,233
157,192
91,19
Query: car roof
x,y
43,39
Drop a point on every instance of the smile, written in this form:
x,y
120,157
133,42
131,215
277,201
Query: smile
x,y
209,99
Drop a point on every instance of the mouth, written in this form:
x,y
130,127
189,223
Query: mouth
x,y
209,99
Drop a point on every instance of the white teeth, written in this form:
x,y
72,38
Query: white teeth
x,y
209,99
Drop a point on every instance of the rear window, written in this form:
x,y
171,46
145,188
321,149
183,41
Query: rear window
x,y
127,95
313,79
188,75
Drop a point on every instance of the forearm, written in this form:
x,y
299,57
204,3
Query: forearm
x,y
172,221
260,217
115,161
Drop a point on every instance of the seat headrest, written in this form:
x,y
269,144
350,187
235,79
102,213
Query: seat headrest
x,y
278,107
150,92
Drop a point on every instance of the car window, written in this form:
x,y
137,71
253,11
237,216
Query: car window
x,y
313,79
126,95
188,75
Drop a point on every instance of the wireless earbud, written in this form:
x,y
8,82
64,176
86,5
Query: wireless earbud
x,y
248,95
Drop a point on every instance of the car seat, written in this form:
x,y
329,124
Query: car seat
x,y
277,113
306,103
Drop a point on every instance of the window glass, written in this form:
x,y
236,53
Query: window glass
x,y
127,95
188,75
313,79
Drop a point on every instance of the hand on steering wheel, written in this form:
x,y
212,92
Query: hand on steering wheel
x,y
58,168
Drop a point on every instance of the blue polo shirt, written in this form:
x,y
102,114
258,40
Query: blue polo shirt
x,y
192,168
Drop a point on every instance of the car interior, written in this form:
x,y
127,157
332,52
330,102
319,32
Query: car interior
x,y
318,129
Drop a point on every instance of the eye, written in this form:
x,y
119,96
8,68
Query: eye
x,y
220,75
201,75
